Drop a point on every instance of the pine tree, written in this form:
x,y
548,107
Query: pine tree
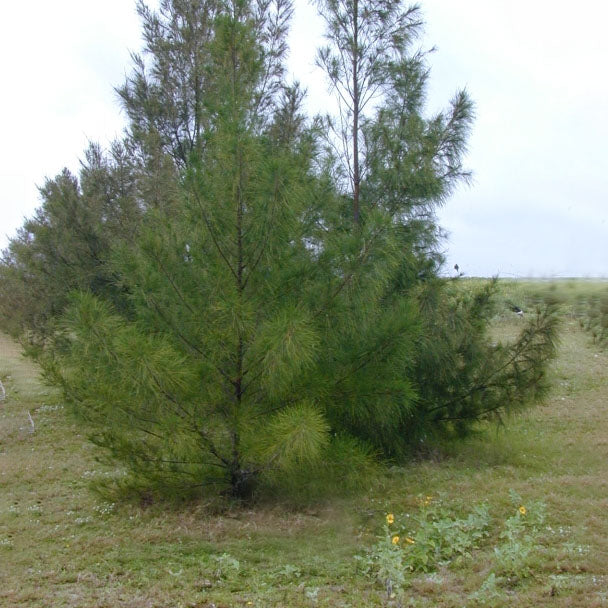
x,y
365,37
462,374
238,316
66,245
260,339
165,98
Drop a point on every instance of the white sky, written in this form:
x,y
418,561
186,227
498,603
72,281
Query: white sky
x,y
536,70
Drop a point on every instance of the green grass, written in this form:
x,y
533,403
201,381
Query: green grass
x,y
573,295
62,544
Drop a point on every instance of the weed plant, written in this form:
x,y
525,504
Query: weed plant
x,y
435,537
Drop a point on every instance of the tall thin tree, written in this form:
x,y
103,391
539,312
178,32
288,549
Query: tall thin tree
x,y
364,36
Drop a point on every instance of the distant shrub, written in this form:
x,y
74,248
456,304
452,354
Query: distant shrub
x,y
595,320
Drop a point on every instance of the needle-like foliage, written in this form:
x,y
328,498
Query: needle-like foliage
x,y
219,316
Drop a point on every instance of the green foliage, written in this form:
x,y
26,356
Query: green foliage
x,y
66,245
462,374
365,41
254,385
345,466
595,319
434,537
518,540
439,537
226,565
422,542
296,436
209,303
489,592
385,564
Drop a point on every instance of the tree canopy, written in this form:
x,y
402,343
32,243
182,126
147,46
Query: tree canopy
x,y
238,292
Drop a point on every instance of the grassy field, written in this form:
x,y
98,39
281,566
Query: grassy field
x,y
63,545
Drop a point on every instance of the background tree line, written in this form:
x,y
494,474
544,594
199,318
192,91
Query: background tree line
x,y
237,292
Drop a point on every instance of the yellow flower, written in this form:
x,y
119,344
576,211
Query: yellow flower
x,y
409,540
390,518
395,539
522,510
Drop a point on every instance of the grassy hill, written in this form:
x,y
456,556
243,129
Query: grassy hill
x,y
542,477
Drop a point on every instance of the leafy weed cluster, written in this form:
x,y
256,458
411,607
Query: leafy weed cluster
x,y
436,537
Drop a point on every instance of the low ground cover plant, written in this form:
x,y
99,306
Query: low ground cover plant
x,y
435,536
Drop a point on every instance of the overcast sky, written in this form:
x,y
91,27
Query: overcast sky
x,y
536,70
